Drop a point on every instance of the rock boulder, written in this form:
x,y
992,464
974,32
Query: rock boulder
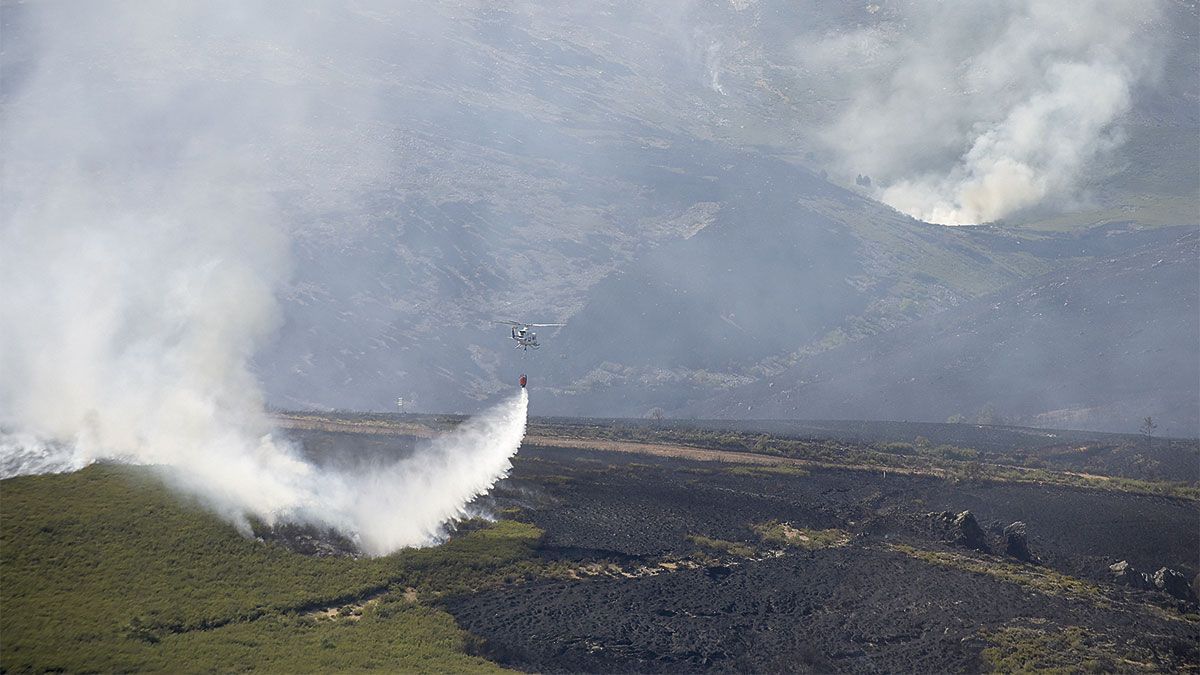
x,y
1172,583
1016,544
1128,575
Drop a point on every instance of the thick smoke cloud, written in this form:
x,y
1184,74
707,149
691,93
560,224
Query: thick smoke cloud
x,y
146,152
969,112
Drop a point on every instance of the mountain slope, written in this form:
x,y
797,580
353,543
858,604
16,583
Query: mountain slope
x,y
604,166
1098,344
652,173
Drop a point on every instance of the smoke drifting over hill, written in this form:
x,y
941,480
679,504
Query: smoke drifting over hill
x,y
967,113
330,202
142,248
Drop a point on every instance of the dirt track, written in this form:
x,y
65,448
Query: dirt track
x,y
416,430
412,430
704,454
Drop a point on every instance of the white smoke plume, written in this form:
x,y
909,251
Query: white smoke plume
x,y
969,112
147,150
712,64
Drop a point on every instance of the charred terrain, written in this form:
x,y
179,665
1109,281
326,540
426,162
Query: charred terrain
x,y
692,566
678,552
641,546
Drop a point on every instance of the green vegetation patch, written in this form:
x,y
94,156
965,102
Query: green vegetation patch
x,y
783,534
1040,579
107,570
392,637
720,545
767,470
977,471
1037,647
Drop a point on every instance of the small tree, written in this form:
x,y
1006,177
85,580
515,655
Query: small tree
x,y
1148,427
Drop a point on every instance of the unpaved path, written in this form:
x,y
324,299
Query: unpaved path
x,y
603,445
702,454
673,450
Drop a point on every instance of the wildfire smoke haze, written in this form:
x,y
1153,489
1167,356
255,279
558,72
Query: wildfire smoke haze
x,y
142,247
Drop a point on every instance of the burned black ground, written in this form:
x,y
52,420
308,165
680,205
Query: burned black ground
x,y
655,563
897,597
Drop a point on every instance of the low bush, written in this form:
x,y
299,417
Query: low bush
x,y
783,534
722,546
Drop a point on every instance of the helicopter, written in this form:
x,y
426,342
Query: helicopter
x,y
524,337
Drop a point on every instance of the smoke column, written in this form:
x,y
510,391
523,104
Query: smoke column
x,y
969,112
147,155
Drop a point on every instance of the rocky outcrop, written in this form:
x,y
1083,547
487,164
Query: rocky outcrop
x,y
961,530
969,533
1126,574
1165,579
1016,544
1172,583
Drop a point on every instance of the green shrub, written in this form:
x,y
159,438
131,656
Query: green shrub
x,y
783,534
722,546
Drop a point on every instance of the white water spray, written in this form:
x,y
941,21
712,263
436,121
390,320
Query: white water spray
x,y
381,507
409,502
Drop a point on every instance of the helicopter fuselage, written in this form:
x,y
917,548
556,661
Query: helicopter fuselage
x,y
525,338
521,334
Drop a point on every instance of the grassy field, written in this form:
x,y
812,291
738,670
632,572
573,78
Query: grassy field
x,y
106,570
1039,648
